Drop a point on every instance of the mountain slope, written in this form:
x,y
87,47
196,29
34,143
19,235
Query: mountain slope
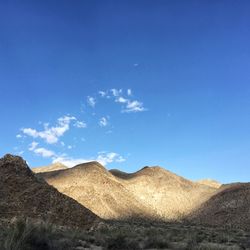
x,y
169,194
210,183
230,206
23,194
52,167
150,192
94,187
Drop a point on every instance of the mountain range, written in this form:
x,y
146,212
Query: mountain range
x,y
151,193
88,194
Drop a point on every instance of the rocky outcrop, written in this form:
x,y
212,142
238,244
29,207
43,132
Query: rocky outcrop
x,y
24,194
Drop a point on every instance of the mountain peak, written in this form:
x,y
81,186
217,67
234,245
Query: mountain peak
x,y
13,164
210,183
23,194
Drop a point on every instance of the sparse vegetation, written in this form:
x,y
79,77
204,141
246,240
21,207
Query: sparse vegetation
x,y
24,234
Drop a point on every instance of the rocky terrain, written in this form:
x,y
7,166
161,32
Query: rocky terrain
x,y
97,189
210,183
149,209
172,196
151,192
22,194
52,167
229,206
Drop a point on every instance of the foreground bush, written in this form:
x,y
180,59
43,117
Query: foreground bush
x,y
24,235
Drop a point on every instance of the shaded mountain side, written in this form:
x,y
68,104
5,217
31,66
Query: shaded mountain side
x,y
169,194
230,206
52,167
24,194
210,183
150,192
94,187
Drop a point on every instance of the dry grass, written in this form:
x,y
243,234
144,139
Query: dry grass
x,y
27,235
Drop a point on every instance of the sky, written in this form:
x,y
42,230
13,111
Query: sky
x,y
128,83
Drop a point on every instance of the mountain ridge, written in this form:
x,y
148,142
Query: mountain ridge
x,y
22,193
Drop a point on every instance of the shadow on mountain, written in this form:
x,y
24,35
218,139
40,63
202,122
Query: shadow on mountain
x,y
22,194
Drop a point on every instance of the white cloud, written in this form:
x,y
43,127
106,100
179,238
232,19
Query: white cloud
x,y
102,93
19,136
33,145
121,99
41,151
51,134
134,106
103,122
69,162
91,101
44,152
80,124
129,105
116,92
103,157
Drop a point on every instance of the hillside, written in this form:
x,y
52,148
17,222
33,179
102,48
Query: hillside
x,y
210,183
52,167
150,192
97,189
24,194
171,195
230,206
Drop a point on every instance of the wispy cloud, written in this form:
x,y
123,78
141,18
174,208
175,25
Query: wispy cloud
x,y
128,105
80,124
51,135
116,92
103,122
104,158
41,151
91,101
133,106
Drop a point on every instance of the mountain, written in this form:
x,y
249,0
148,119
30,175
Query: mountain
x,y
52,167
98,190
170,195
151,192
210,183
229,206
24,194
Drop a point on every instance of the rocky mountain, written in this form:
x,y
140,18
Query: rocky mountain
x,y
97,189
229,206
210,183
52,167
150,192
170,195
24,194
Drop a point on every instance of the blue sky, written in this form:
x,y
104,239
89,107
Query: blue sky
x,y
174,76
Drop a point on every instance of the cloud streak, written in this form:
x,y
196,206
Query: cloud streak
x,y
52,134
128,105
103,122
91,101
104,158
41,151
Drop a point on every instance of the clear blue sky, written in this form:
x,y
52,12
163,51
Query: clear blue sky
x,y
184,71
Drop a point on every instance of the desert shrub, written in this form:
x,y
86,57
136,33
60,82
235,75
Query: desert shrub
x,y
120,242
24,235
192,242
